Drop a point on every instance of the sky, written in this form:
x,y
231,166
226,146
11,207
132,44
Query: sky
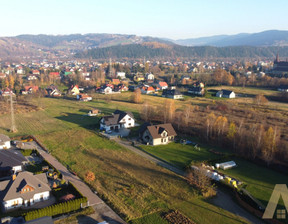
x,y
174,19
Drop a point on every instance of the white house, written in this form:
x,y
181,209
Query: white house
x,y
121,75
23,190
149,76
5,142
225,94
119,119
160,134
106,90
172,93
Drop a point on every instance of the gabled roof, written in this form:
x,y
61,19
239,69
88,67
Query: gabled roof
x,y
13,190
195,89
34,88
123,114
11,158
162,84
4,138
157,130
52,87
111,119
72,87
226,92
116,117
171,92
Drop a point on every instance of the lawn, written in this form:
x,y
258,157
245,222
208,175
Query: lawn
x,y
135,187
258,180
180,155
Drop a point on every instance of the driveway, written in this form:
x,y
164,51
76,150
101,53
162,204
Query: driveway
x,y
102,211
223,199
123,132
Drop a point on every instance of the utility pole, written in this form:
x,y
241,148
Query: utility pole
x,y
110,68
13,125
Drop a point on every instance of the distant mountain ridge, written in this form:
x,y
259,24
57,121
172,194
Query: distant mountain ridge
x,y
101,45
32,45
265,38
134,51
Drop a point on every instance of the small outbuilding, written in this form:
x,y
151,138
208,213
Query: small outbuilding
x,y
226,165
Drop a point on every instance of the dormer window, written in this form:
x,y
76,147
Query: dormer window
x,y
164,134
26,189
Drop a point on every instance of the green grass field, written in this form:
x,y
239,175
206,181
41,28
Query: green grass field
x,y
260,181
134,186
181,155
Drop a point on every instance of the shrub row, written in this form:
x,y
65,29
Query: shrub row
x,y
57,209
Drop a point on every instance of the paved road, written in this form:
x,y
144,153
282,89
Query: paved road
x,y
223,199
102,210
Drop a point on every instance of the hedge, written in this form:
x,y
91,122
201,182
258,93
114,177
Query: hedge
x,y
56,209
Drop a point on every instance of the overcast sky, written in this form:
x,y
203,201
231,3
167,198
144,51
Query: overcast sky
x,y
158,18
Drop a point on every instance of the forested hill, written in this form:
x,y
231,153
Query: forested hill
x,y
176,51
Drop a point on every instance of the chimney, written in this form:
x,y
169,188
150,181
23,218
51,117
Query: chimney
x,y
13,177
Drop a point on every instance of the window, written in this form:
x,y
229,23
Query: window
x,y
129,124
129,118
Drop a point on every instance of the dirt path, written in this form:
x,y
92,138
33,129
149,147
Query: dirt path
x,y
222,200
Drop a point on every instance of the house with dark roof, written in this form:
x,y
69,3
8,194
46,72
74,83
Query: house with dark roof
x,y
119,119
23,190
172,93
53,90
225,94
283,88
11,161
106,89
5,142
199,91
160,134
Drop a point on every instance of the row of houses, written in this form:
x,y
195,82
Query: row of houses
x,y
19,188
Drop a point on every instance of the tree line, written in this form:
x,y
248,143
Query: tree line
x,y
243,138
